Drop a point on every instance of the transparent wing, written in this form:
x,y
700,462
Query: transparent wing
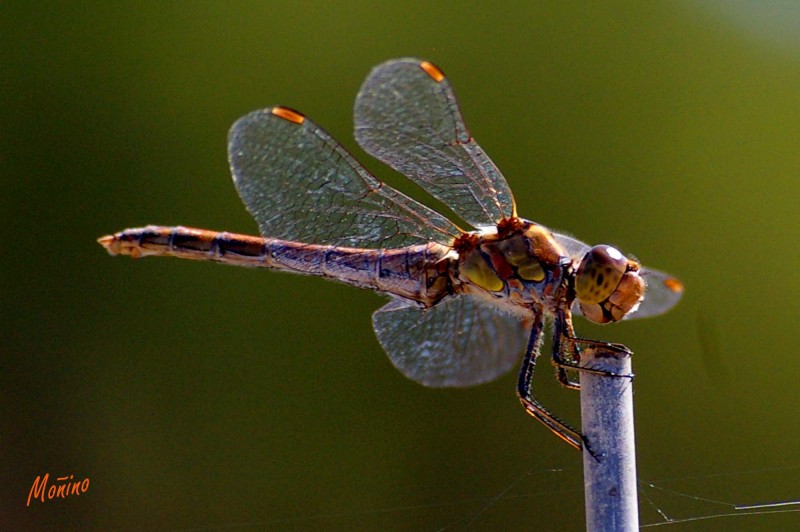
x,y
574,247
300,184
459,342
407,116
662,293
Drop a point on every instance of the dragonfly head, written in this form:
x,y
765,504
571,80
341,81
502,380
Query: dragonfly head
x,y
608,285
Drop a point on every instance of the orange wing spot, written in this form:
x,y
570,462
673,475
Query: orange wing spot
x,y
673,284
288,114
433,71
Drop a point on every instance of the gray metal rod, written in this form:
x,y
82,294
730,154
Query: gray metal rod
x,y
609,477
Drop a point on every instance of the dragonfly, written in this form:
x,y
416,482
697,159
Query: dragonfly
x,y
466,303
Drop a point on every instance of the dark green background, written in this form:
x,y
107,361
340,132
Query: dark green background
x,y
199,397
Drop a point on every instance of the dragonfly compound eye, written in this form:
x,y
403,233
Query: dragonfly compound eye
x,y
608,285
599,274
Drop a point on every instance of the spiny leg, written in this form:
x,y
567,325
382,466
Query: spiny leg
x,y
525,391
567,352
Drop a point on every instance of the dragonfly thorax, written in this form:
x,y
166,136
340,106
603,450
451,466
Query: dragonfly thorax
x,y
519,261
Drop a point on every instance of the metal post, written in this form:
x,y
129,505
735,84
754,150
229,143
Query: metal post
x,y
609,477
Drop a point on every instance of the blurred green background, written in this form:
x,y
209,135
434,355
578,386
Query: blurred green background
x,y
200,397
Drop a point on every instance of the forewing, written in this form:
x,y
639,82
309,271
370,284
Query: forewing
x,y
663,293
574,247
459,342
407,116
300,184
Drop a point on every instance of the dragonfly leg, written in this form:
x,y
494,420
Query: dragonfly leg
x,y
567,352
525,392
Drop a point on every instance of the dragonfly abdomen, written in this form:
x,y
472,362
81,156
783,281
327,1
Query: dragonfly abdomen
x,y
414,272
187,243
